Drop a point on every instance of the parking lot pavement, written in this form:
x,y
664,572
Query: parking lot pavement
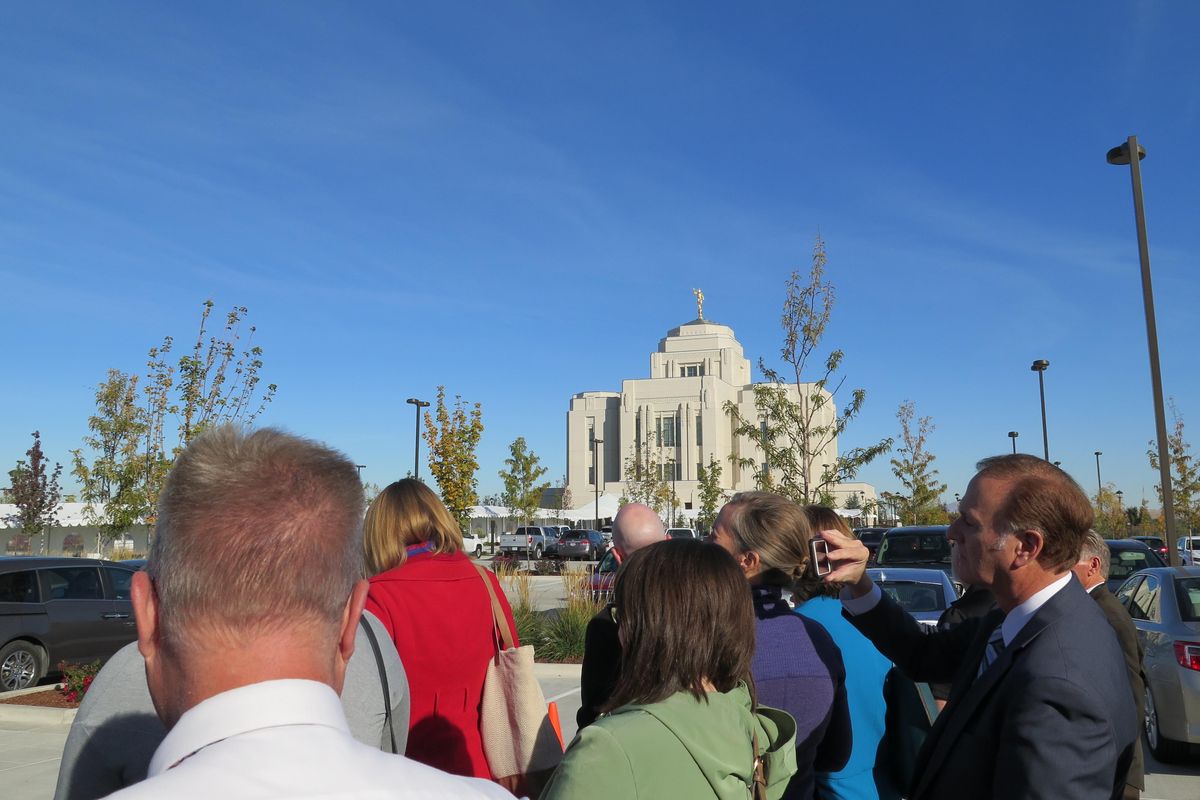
x,y
29,755
1171,781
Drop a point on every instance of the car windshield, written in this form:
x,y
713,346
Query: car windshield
x,y
1126,562
1188,592
911,548
915,597
870,537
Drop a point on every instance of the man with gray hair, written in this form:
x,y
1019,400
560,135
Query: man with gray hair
x,y
1092,569
635,526
246,618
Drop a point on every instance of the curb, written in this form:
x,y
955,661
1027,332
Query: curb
x,y
35,715
548,670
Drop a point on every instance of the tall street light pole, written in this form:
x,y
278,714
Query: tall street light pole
x,y
674,499
1099,485
1040,367
1120,156
1013,435
596,476
417,406
1124,517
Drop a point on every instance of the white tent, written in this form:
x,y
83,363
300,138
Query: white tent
x,y
609,503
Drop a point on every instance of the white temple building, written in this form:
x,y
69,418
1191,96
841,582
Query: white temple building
x,y
680,410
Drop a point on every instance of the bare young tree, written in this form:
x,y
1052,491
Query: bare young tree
x,y
794,435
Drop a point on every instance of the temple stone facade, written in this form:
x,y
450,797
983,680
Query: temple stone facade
x,y
680,411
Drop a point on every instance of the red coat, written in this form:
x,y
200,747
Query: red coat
x,y
439,615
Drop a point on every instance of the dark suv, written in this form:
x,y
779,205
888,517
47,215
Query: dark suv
x,y
582,544
60,609
915,546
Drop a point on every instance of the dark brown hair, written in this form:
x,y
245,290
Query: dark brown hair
x,y
1042,497
776,529
807,586
685,616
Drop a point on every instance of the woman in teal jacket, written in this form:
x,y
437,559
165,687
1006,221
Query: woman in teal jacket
x,y
682,722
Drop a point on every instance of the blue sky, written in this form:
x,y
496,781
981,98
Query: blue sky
x,y
515,200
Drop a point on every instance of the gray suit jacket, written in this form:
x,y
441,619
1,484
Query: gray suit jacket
x,y
1052,717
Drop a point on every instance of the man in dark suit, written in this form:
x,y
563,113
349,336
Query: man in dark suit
x,y
1092,569
634,527
1039,706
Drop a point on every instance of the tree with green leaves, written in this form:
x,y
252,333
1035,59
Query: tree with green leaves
x,y
646,476
1185,474
711,494
797,421
371,491
452,434
522,492
217,382
112,477
35,490
1110,520
920,501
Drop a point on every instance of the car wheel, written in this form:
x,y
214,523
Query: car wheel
x,y
20,665
479,551
1164,749
537,552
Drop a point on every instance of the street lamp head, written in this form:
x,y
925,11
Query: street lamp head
x,y
418,403
1119,155
1013,434
1098,453
1040,365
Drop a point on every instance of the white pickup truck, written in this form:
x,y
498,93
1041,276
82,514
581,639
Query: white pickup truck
x,y
528,539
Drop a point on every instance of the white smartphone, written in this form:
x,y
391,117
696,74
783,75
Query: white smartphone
x,y
820,556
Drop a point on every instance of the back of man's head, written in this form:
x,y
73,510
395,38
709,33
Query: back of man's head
x,y
257,533
1042,497
1094,546
635,527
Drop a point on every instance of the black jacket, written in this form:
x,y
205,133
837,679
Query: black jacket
x,y
1122,625
601,665
1051,717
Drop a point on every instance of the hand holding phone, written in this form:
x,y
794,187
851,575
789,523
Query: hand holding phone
x,y
819,549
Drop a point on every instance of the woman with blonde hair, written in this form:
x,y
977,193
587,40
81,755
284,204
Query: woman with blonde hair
x,y
434,603
797,667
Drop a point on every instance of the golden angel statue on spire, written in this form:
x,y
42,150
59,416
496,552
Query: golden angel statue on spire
x,y
699,303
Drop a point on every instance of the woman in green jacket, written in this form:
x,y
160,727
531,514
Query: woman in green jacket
x,y
682,722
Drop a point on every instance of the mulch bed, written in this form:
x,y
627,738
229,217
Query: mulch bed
x,y
50,698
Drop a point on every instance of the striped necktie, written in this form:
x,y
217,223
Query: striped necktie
x,y
995,646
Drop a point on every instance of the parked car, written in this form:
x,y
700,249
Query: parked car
x,y
553,533
871,537
600,583
584,544
528,539
1127,556
60,609
923,593
681,533
915,546
1165,605
1155,543
1189,550
473,544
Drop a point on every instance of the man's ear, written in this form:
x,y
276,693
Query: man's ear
x,y
1030,544
350,615
145,611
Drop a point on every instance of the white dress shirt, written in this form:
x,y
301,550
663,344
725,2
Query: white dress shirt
x,y
283,739
1014,620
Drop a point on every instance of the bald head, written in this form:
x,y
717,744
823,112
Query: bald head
x,y
636,526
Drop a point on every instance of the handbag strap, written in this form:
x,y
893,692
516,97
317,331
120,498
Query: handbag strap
x,y
387,694
759,791
500,626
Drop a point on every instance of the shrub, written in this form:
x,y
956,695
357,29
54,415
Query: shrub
x,y
563,633
548,566
77,679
